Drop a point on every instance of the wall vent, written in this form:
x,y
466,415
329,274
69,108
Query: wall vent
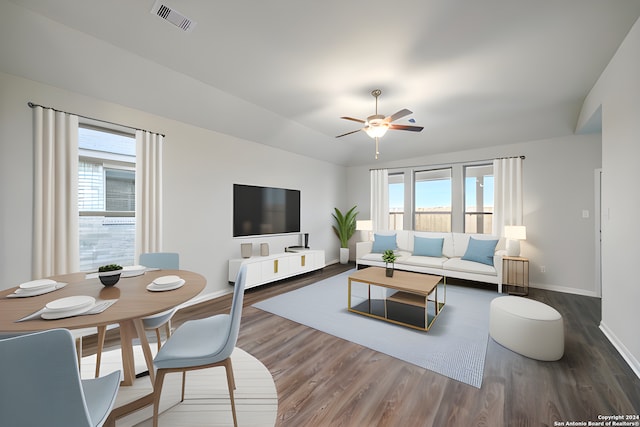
x,y
172,16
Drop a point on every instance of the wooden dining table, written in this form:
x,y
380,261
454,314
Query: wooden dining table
x,y
134,303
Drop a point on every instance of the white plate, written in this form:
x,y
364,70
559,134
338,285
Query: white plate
x,y
36,284
50,315
155,288
23,293
70,303
133,270
167,280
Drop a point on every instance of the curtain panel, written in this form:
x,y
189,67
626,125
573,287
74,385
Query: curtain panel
x,y
148,192
56,247
380,199
508,197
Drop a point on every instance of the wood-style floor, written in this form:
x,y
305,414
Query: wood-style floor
x,y
326,381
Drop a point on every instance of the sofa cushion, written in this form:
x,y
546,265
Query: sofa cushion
x,y
424,261
425,246
458,264
373,256
382,243
480,251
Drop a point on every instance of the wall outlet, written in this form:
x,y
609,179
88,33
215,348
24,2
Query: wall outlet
x,y
543,269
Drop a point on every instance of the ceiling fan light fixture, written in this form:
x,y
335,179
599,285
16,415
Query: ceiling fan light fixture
x,y
376,126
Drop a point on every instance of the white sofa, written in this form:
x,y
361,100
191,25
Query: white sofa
x,y
450,264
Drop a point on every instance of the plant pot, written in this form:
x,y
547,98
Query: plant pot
x,y
344,255
109,278
389,271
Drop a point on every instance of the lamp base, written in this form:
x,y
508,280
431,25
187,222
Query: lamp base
x,y
513,247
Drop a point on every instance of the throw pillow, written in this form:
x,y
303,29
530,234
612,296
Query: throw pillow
x,y
425,246
381,243
480,251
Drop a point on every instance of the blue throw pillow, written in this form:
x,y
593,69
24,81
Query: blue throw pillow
x,y
480,251
382,243
425,246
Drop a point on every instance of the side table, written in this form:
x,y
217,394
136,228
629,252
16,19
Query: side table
x,y
515,274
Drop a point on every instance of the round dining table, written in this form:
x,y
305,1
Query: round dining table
x,y
134,302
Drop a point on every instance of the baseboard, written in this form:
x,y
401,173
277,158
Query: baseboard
x,y
564,289
622,349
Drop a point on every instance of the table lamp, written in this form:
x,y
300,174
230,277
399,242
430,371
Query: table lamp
x,y
513,234
365,225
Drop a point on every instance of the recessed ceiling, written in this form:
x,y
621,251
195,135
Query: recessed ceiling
x,y
475,73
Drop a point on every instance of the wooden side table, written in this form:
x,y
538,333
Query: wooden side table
x,y
515,275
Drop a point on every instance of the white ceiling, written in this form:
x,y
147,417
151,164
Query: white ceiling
x,y
281,72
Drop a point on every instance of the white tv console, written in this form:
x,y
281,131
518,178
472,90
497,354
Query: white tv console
x,y
267,269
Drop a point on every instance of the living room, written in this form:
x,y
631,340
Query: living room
x,y
561,174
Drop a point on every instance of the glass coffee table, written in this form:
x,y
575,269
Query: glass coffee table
x,y
407,298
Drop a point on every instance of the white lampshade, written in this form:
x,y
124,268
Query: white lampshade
x,y
515,232
364,225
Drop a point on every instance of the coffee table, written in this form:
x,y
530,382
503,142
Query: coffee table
x,y
414,302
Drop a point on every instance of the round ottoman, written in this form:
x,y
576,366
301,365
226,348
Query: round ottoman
x,y
528,327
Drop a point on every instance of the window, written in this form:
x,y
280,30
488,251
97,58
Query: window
x,y
106,197
478,199
396,201
433,200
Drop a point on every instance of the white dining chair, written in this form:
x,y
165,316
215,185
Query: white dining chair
x,y
161,260
41,385
201,344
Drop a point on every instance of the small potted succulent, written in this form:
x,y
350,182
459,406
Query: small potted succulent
x,y
389,257
109,274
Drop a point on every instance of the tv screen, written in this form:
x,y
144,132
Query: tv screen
x,y
265,210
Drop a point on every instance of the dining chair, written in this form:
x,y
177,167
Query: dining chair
x,y
162,260
201,344
41,384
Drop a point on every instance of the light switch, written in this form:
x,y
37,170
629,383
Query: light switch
x,y
585,213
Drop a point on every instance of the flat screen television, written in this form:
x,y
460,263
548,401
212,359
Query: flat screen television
x,y
265,210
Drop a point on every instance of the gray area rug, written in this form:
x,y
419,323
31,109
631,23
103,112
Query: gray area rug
x,y
455,346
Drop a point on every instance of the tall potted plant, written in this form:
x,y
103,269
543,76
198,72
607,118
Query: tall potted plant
x,y
344,229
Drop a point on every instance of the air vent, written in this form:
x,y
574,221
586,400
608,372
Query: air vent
x,y
172,16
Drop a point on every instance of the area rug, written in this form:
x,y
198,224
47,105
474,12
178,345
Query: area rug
x,y
455,346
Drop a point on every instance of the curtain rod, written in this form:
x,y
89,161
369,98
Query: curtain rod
x,y
33,105
448,163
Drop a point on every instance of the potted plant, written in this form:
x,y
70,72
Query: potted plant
x,y
344,229
109,274
389,257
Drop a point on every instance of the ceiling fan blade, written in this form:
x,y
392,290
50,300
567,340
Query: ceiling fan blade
x,y
400,114
352,119
348,133
406,127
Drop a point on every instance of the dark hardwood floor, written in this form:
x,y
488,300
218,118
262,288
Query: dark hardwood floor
x,y
326,381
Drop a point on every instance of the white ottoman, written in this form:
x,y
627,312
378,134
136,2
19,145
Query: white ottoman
x,y
528,327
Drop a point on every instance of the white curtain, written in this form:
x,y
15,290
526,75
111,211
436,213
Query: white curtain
x,y
148,192
380,199
507,193
56,247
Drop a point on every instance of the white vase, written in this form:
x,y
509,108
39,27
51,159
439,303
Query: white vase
x,y
344,255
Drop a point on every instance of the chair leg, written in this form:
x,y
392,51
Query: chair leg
x,y
157,389
102,332
159,338
79,352
184,379
232,385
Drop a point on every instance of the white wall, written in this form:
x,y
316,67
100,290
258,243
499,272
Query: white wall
x,y
200,167
618,92
558,186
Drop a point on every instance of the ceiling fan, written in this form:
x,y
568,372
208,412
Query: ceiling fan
x,y
377,125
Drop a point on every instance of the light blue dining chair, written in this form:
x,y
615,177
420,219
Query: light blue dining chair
x,y
201,344
161,260
40,384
